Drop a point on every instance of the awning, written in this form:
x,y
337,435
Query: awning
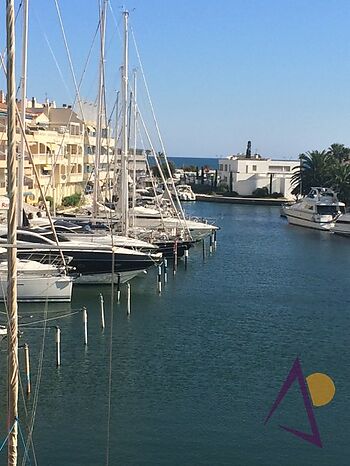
x,y
47,168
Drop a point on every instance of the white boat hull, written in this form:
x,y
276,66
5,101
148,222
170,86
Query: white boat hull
x,y
342,225
308,223
31,289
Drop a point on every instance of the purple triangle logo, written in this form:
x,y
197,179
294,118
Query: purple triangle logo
x,y
296,374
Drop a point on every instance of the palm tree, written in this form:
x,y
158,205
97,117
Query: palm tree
x,y
341,181
315,170
339,152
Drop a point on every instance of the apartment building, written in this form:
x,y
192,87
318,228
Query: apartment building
x,y
63,147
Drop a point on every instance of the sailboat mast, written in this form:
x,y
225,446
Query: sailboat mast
x,y
134,148
116,135
125,148
99,109
12,330
23,112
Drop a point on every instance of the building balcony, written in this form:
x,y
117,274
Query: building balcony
x,y
75,177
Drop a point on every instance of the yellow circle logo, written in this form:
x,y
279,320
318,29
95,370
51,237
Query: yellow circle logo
x,y
321,388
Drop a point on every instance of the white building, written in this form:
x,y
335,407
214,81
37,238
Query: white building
x,y
249,173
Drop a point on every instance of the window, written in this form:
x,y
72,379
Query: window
x,y
327,209
254,168
246,168
225,167
279,168
221,167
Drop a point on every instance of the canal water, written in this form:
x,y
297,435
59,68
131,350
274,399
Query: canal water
x,y
196,370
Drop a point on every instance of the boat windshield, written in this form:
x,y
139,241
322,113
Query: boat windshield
x,y
327,209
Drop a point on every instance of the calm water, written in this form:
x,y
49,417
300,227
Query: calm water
x,y
196,370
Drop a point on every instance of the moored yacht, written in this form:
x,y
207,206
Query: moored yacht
x,y
93,263
36,282
342,225
319,210
185,193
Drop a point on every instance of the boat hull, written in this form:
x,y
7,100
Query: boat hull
x,y
33,289
198,230
307,223
89,262
106,278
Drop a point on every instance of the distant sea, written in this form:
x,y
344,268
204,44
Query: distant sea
x,y
199,162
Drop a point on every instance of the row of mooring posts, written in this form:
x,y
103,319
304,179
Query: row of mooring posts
x,y
85,334
164,265
162,269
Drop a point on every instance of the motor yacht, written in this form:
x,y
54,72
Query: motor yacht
x,y
319,210
92,262
342,225
36,281
185,193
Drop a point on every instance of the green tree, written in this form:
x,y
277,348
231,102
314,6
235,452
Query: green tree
x,y
339,152
164,168
341,181
316,169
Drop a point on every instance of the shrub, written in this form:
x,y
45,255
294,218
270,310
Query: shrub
x,y
260,192
71,201
222,188
276,195
201,188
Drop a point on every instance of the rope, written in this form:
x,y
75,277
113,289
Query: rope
x,y
9,433
49,320
37,387
110,367
24,400
23,441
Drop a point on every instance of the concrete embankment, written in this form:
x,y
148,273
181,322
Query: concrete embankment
x,y
241,200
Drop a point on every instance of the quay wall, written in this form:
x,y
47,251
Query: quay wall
x,y
241,200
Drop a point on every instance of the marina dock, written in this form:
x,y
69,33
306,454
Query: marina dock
x,y
241,200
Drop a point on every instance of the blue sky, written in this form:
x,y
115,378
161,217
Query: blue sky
x,y
273,71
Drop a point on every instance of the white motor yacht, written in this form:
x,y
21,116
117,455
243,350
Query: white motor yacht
x,y
319,210
342,225
185,193
36,282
